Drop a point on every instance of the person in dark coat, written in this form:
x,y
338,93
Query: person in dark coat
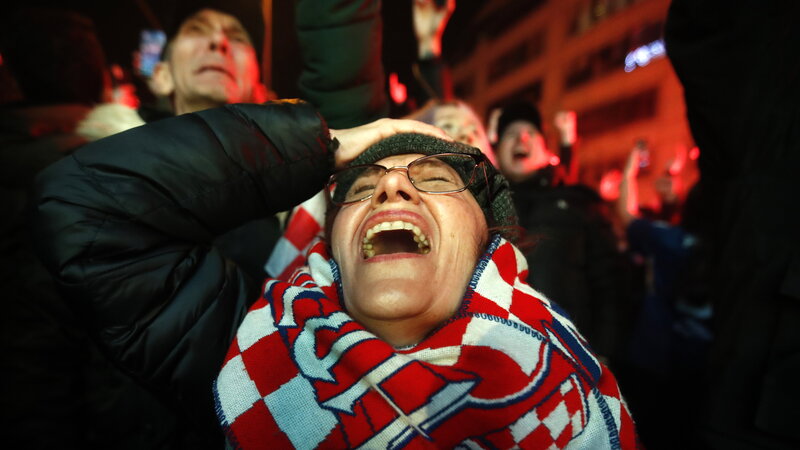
x,y
740,78
172,334
59,391
575,259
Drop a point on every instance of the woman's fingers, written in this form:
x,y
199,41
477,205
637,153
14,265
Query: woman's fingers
x,y
353,141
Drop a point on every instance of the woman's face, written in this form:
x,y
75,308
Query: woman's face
x,y
462,126
406,256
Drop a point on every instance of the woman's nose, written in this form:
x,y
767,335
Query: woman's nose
x,y
395,187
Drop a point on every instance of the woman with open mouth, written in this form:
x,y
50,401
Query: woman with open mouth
x,y
411,326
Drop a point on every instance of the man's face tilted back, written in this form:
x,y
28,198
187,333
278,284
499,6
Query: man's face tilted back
x,y
521,151
210,62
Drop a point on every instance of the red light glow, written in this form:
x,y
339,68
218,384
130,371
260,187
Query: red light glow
x,y
609,185
397,89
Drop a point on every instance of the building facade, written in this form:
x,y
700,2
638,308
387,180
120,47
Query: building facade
x,y
604,59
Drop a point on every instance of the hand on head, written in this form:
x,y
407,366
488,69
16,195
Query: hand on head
x,y
353,141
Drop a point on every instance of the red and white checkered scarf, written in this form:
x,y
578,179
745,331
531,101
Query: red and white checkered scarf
x,y
304,229
508,370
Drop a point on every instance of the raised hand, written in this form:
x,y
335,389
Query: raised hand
x,y
430,20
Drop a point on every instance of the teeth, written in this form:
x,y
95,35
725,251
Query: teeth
x,y
419,237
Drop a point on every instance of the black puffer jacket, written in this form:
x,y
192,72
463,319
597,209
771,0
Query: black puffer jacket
x,y
125,225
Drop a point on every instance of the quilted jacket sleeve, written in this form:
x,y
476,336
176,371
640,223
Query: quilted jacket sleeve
x,y
340,42
125,225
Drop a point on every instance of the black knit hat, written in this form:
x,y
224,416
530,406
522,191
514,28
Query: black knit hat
x,y
518,111
247,12
495,201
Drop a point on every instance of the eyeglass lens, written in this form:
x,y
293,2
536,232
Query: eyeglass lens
x,y
432,174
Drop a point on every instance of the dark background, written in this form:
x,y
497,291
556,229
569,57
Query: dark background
x,y
119,23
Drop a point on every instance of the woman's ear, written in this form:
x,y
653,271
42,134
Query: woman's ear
x,y
162,83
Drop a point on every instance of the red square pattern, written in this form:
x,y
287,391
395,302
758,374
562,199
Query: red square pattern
x,y
269,373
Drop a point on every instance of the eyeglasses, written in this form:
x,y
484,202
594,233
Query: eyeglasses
x,y
444,173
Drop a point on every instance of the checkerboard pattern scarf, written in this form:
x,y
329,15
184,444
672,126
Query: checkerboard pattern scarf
x,y
508,370
304,229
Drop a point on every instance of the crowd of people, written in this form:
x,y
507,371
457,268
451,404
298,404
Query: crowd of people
x,y
244,271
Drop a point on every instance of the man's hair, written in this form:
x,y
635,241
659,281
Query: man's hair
x,y
518,111
54,55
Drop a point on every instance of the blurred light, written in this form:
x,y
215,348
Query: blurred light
x,y
125,94
117,72
151,42
1,59
679,162
609,185
554,160
694,153
642,56
397,89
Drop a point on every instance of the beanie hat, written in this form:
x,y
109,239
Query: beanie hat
x,y
518,111
494,199
249,14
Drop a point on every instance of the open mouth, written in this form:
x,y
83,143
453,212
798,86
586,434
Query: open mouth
x,y
219,69
519,154
394,237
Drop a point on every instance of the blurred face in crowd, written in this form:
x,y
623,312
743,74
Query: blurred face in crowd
x,y
406,256
210,62
462,125
521,151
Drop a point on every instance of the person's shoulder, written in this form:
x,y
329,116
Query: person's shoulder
x,y
580,191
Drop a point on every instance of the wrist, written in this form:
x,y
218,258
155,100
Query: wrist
x,y
568,138
429,47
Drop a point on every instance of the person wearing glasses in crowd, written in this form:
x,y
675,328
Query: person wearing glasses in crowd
x,y
411,325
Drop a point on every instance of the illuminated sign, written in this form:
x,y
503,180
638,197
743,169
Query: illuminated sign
x,y
644,54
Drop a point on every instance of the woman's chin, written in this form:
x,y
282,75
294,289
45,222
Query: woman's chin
x,y
387,299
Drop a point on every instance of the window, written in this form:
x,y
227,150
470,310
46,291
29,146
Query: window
x,y
531,93
520,54
592,12
618,113
611,57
